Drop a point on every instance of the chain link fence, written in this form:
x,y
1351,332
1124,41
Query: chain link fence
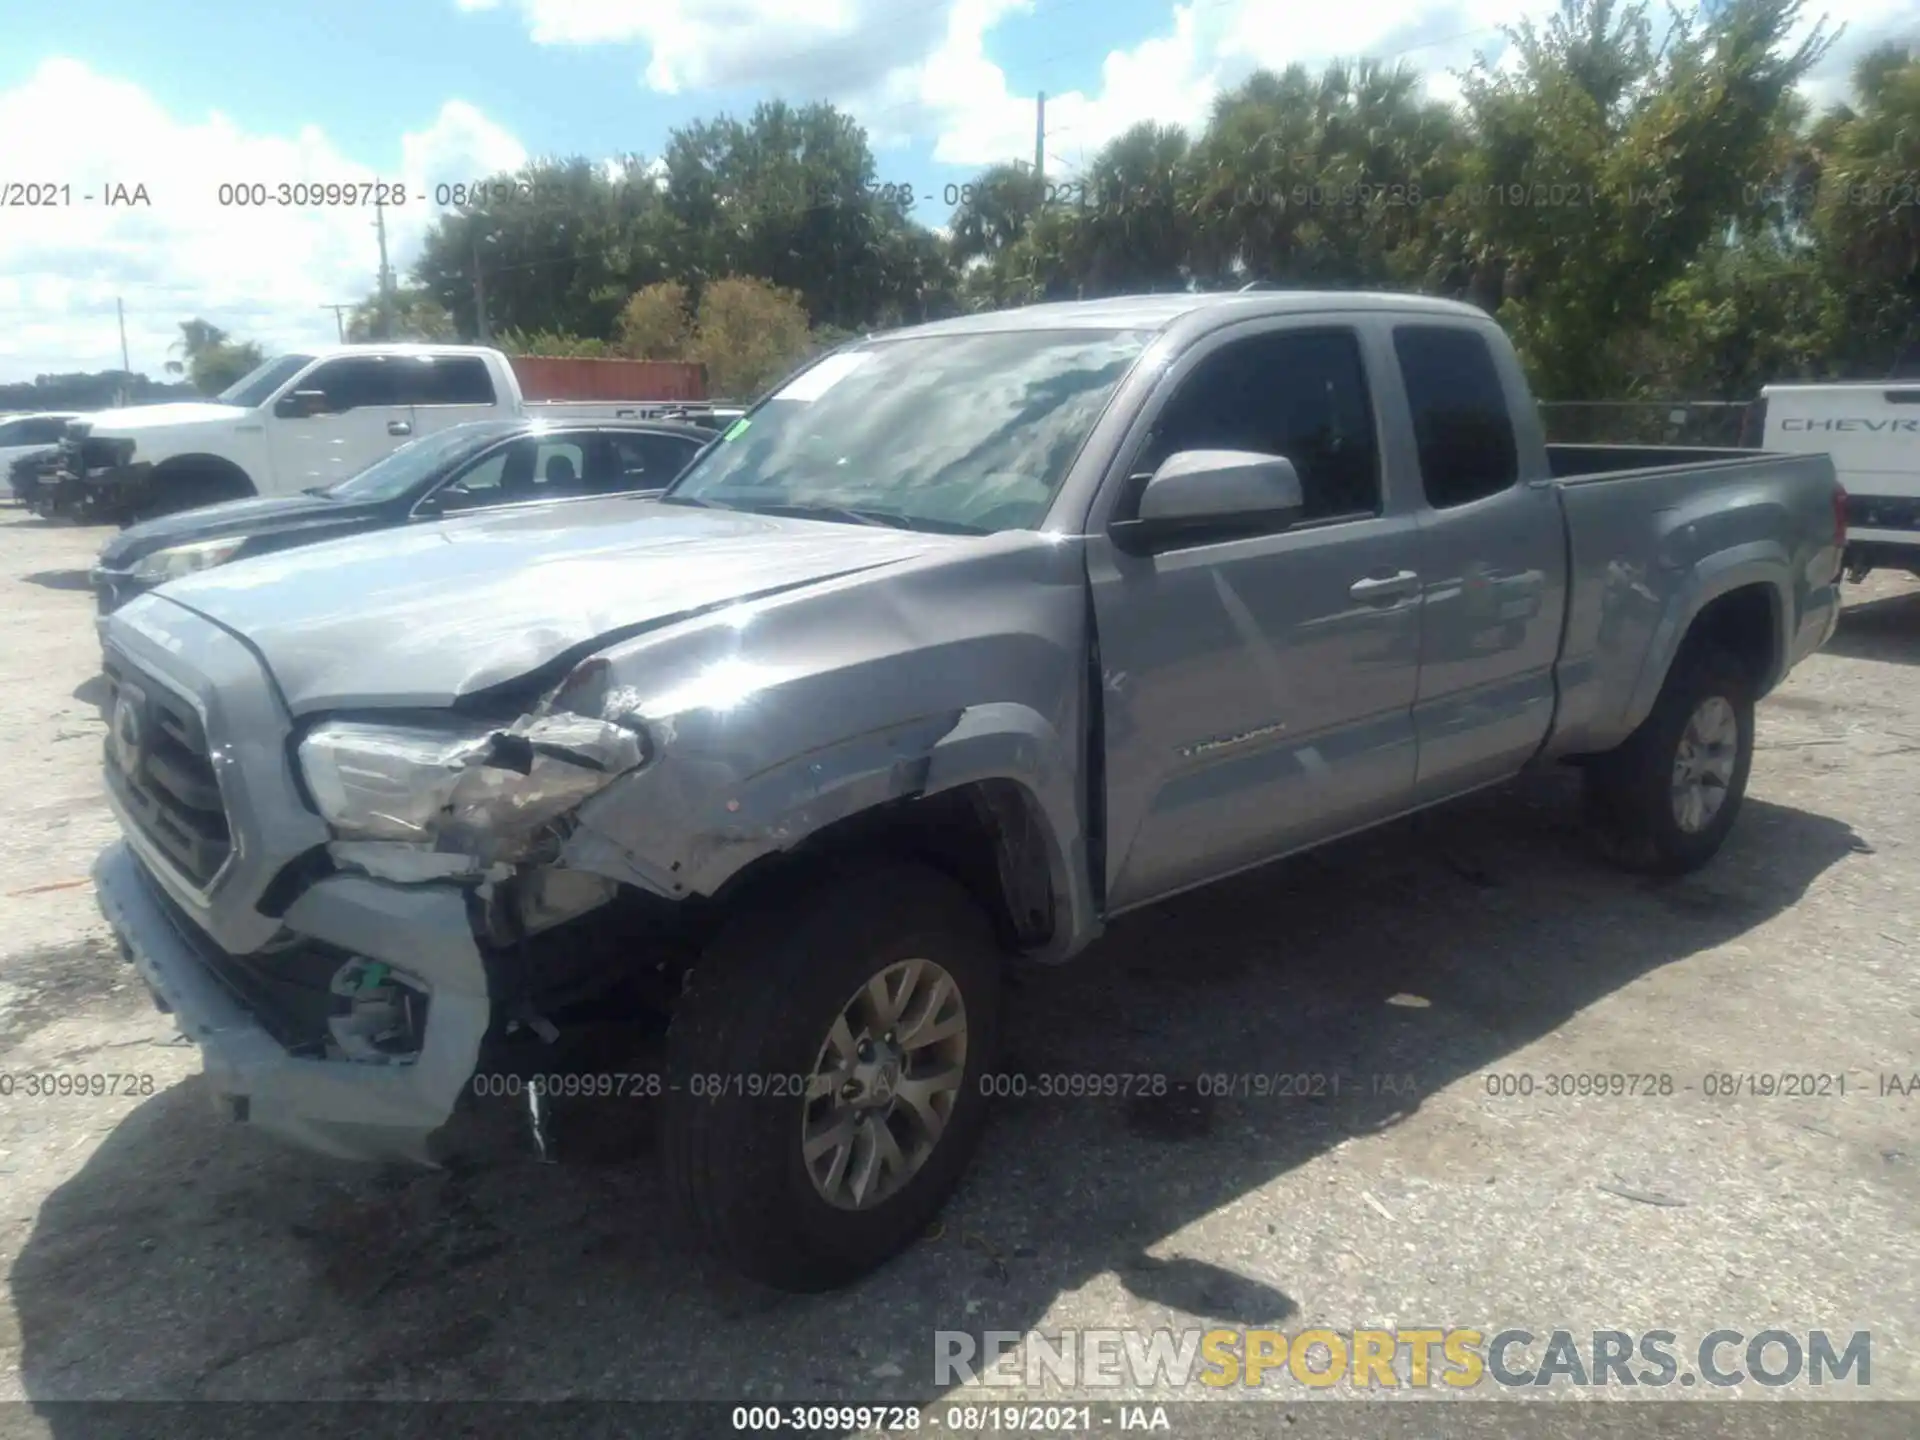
x,y
1715,423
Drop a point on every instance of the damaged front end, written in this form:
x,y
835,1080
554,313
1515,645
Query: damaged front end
x,y
446,798
442,800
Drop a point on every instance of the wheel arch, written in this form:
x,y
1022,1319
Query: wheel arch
x,y
1739,603
991,798
217,466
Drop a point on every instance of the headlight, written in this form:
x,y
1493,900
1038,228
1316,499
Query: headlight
x,y
172,563
480,790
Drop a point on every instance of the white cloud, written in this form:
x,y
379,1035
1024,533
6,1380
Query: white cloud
x,y
918,69
1211,45
820,46
262,274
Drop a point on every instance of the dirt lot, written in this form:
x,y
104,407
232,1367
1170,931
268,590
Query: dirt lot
x,y
152,1251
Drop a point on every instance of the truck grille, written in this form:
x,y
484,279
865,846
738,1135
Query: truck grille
x,y
79,456
159,765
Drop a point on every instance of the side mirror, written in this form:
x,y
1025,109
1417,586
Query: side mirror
x,y
1202,494
300,404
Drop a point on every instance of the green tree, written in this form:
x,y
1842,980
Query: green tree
x,y
656,323
789,195
995,209
1329,180
1866,219
209,358
1604,164
416,316
552,342
749,334
558,245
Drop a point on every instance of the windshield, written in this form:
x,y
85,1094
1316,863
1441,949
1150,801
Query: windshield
x,y
955,432
419,463
257,384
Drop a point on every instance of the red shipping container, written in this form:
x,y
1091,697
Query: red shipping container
x,y
554,377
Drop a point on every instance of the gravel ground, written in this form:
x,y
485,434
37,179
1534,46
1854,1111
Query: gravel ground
x,y
150,1251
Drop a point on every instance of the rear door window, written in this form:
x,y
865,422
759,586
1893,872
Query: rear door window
x,y
456,380
646,462
559,469
1461,424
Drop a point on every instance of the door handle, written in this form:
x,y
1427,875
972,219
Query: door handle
x,y
399,427
1380,590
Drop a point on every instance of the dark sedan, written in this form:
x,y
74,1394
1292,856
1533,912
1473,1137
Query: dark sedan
x,y
482,466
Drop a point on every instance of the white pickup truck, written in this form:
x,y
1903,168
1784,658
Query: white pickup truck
x,y
1872,431
296,423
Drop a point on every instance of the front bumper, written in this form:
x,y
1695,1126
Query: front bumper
x,y
335,1107
117,487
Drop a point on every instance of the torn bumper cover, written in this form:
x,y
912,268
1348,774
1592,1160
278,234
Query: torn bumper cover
x,y
345,1108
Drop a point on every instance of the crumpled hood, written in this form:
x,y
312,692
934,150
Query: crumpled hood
x,y
135,418
421,616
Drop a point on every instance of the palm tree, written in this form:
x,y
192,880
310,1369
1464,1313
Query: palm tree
x,y
197,338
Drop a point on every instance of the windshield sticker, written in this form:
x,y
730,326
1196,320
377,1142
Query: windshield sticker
x,y
823,377
737,429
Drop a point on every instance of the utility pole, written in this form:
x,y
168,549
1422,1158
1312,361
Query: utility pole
x,y
480,297
339,319
386,272
126,365
1040,153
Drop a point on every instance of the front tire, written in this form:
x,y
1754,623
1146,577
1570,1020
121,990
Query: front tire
x,y
826,1067
1665,800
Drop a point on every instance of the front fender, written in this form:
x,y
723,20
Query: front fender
x,y
220,444
688,825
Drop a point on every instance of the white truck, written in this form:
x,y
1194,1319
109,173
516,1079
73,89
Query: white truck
x,y
296,423
1872,431
29,438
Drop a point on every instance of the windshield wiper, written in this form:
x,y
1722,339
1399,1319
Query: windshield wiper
x,y
863,515
845,514
842,513
323,491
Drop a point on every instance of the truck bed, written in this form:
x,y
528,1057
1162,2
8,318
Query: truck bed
x,y
1572,462
1656,532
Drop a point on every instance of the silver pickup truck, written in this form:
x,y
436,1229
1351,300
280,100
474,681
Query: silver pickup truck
x,y
967,639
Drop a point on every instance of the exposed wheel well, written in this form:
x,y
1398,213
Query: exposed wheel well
x,y
988,836
1742,624
220,472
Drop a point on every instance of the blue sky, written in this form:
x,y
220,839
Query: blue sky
x,y
181,97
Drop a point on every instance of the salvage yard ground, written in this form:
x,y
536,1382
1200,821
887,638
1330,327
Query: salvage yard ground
x,y
151,1250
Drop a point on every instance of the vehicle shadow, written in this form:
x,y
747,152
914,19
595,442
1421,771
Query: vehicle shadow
x,y
19,517
1886,629
59,580
188,1260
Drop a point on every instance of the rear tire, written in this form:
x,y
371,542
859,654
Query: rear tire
x,y
1664,801
768,1105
